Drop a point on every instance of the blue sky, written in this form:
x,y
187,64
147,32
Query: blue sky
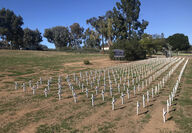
x,y
164,16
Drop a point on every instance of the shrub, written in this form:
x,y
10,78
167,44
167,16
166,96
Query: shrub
x,y
132,50
86,62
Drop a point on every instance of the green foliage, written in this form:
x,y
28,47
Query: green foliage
x,y
152,44
100,26
86,62
120,24
58,35
76,35
2,45
179,42
126,23
91,39
132,49
42,47
10,28
31,38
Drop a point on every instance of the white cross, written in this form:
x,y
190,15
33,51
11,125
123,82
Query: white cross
x,y
138,107
143,101
45,92
75,97
16,85
147,96
113,103
87,93
128,96
59,94
96,90
102,94
167,106
92,100
122,98
134,90
164,115
33,88
24,88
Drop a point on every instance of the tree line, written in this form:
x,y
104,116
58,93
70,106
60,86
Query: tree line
x,y
121,24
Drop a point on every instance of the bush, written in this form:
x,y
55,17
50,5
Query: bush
x,y
42,47
86,62
132,50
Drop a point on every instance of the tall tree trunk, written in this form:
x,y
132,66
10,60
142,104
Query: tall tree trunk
x,y
110,42
103,43
129,34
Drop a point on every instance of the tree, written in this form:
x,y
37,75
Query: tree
x,y
179,42
76,35
132,49
104,27
126,23
153,43
100,26
58,35
10,28
109,31
31,38
91,39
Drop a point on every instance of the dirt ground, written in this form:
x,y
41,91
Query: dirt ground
x,y
22,112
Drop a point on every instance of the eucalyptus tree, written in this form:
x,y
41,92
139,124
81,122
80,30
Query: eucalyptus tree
x,y
99,25
31,38
10,28
58,35
126,20
91,39
103,26
76,35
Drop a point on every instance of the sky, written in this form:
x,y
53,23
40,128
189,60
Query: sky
x,y
164,16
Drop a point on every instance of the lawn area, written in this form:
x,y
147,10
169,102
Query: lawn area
x,y
22,61
24,65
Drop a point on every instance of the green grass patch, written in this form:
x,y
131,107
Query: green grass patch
x,y
106,127
146,118
48,129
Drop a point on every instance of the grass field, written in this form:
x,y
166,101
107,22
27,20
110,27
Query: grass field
x,y
27,113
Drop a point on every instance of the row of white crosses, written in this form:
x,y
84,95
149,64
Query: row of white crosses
x,y
96,88
130,74
35,86
128,84
160,83
30,85
157,88
118,88
48,86
174,91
